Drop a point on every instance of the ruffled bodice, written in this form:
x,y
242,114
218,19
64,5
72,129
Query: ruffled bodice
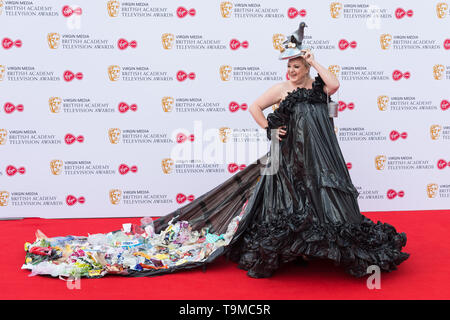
x,y
315,95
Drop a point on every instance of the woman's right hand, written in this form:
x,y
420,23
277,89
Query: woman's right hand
x,y
281,133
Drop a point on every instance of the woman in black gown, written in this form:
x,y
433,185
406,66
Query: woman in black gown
x,y
298,200
308,208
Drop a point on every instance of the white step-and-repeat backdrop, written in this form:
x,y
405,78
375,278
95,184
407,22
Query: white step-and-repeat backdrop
x,y
133,108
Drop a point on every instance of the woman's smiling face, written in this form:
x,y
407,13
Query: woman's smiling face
x,y
297,69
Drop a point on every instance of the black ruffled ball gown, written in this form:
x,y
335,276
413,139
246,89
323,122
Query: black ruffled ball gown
x,y
308,207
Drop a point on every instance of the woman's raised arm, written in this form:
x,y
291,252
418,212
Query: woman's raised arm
x,y
331,81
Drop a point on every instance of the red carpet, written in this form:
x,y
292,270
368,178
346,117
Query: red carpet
x,y
423,276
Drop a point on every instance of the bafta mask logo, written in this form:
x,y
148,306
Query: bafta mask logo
x,y
56,167
225,9
3,136
225,73
438,71
2,72
167,165
115,195
335,69
113,8
275,106
382,102
4,197
435,131
385,41
277,41
224,133
55,104
432,190
114,135
53,40
441,10
167,40
380,162
167,104
335,10
1,7
114,73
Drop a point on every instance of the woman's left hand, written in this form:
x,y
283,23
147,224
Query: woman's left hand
x,y
308,56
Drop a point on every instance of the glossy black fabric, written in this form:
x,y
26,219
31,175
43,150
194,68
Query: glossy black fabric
x,y
308,207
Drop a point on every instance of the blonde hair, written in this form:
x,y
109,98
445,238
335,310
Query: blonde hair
x,y
306,64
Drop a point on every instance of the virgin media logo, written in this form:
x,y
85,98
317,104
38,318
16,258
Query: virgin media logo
x,y
71,200
183,12
180,198
395,135
181,75
122,44
344,44
124,169
294,13
391,194
447,44
67,11
442,164
11,170
349,165
397,75
8,43
343,106
236,44
445,105
234,106
70,138
124,107
10,108
233,167
69,75
181,137
401,13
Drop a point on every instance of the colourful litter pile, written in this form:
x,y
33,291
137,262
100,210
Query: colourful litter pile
x,y
132,248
